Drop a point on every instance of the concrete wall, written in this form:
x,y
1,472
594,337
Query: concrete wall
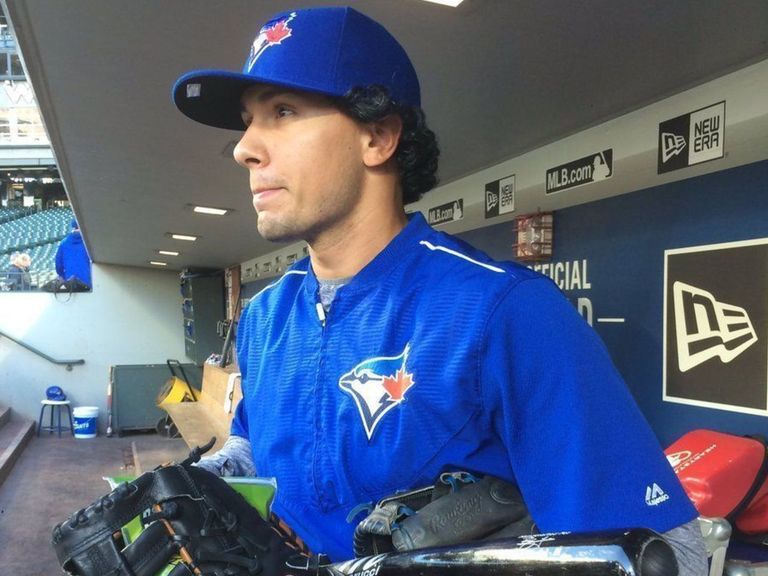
x,y
133,316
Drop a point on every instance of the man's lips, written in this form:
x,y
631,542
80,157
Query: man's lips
x,y
261,196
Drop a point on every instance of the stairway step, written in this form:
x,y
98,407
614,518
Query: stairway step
x,y
5,415
13,438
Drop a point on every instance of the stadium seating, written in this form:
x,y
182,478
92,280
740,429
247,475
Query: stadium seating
x,y
7,214
38,234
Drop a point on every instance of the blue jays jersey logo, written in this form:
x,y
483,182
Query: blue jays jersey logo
x,y
377,385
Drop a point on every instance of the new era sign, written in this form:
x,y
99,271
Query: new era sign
x,y
715,326
692,138
706,328
500,197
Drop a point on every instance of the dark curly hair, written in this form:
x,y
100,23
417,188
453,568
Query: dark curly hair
x,y
417,152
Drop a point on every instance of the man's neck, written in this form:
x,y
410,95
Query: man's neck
x,y
351,247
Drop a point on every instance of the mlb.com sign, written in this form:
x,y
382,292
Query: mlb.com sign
x,y
592,168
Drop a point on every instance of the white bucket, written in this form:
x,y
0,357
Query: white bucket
x,y
85,421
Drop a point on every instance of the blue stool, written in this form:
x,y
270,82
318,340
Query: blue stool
x,y
55,406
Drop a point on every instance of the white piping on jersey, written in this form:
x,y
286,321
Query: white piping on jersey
x,y
276,282
460,255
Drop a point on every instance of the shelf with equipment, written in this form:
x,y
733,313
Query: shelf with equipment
x,y
202,308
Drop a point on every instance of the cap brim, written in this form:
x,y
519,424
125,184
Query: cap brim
x,y
212,97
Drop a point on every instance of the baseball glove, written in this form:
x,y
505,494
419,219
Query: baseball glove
x,y
459,508
193,521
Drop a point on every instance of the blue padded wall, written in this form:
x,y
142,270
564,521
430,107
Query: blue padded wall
x,y
623,240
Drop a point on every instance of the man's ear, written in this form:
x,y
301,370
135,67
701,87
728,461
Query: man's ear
x,y
382,138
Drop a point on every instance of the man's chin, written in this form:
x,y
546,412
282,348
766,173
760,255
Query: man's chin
x,y
276,233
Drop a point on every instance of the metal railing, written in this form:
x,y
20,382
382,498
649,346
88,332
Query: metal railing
x,y
16,281
67,363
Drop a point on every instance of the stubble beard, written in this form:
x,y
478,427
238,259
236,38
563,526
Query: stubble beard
x,y
278,228
276,231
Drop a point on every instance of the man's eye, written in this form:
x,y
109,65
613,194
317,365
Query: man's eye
x,y
283,111
246,119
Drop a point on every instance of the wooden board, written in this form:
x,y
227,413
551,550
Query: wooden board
x,y
211,415
197,425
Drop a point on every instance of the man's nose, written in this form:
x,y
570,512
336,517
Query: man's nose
x,y
250,151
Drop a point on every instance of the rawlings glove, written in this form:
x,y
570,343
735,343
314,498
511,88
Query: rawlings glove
x,y
192,519
459,508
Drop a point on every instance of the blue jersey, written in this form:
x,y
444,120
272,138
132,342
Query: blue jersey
x,y
72,259
435,357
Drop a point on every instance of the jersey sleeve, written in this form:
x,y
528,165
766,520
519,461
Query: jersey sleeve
x,y
240,420
582,453
60,260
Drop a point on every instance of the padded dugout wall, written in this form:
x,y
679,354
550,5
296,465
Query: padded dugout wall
x,y
623,240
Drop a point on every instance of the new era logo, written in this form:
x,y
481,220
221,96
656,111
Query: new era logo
x,y
671,145
716,325
707,328
654,495
491,200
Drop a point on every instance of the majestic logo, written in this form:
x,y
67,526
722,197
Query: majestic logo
x,y
654,495
707,328
377,385
271,34
671,145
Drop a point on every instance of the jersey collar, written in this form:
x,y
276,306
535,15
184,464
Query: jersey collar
x,y
393,255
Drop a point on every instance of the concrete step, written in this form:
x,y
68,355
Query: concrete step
x,y
5,415
14,436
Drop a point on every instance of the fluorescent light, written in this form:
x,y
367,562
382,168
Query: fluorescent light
x,y
210,210
155,263
452,3
184,237
168,252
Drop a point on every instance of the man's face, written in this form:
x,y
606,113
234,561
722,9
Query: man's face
x,y
22,261
304,157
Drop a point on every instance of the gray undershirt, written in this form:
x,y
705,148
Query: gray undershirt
x,y
328,289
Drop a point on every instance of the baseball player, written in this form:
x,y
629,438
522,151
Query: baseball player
x,y
394,352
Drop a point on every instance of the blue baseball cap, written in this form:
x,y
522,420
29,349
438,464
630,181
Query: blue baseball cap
x,y
55,393
322,50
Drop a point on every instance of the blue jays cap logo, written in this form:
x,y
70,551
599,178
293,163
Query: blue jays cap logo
x,y
271,34
377,385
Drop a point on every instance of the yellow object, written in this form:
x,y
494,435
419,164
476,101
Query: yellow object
x,y
175,390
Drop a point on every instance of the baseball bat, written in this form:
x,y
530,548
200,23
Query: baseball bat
x,y
109,406
635,552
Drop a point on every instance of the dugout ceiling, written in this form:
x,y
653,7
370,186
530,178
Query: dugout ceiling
x,y
499,78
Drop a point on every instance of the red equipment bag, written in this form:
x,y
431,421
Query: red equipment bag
x,y
754,519
724,475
